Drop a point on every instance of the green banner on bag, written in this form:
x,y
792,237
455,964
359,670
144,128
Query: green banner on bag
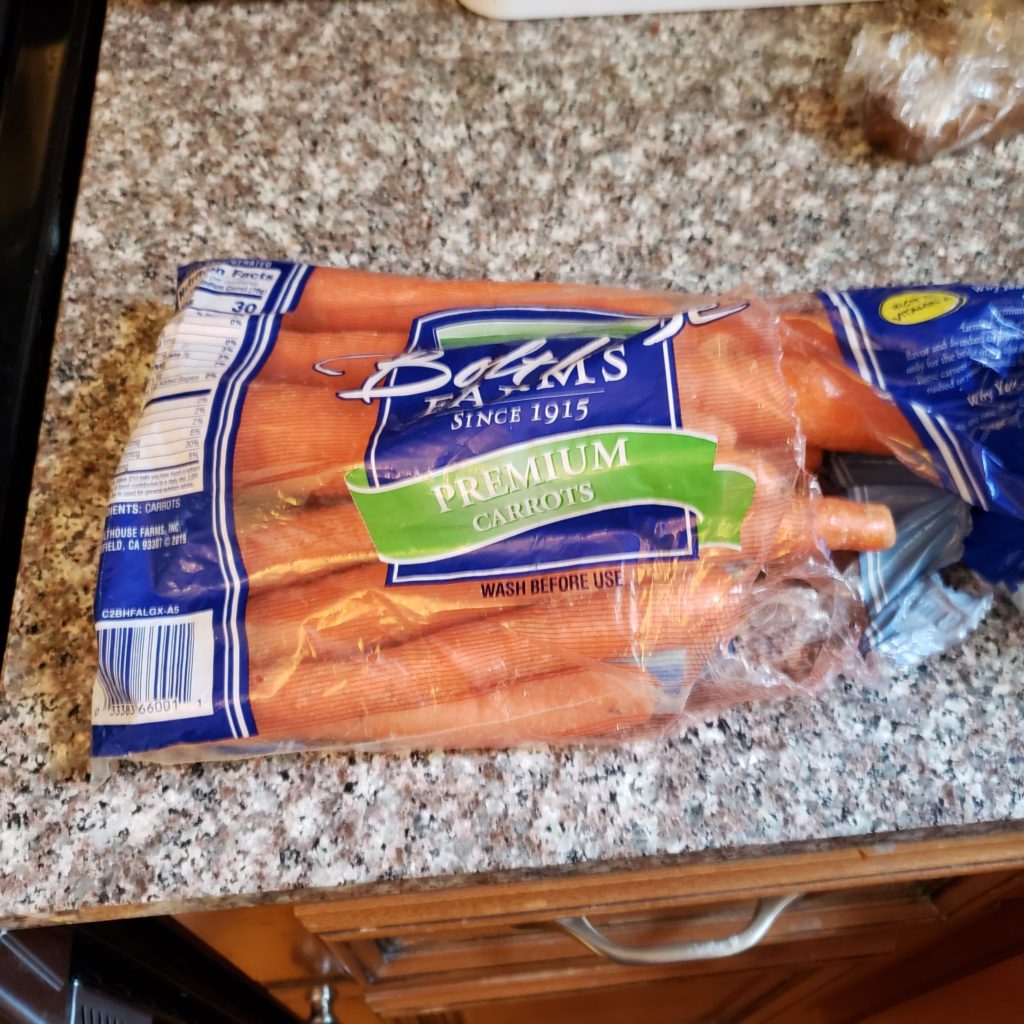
x,y
483,500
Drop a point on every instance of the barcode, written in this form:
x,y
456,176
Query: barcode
x,y
154,670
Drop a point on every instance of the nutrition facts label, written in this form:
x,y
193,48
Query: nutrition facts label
x,y
166,453
237,287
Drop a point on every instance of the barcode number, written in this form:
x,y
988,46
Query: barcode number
x,y
154,670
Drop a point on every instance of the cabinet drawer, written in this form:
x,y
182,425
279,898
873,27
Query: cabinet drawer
x,y
454,990
505,949
864,915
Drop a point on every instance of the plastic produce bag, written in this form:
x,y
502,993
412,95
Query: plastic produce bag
x,y
380,512
800,631
942,85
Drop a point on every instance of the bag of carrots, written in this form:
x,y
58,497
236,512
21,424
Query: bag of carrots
x,y
367,511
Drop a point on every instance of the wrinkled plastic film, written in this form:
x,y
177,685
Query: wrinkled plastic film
x,y
802,630
942,84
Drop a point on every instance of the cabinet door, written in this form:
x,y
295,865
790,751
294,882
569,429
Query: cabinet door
x,y
991,995
976,962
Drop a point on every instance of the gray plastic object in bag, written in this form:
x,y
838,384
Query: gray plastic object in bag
x,y
913,612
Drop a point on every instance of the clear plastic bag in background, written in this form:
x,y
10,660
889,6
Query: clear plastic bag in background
x,y
943,83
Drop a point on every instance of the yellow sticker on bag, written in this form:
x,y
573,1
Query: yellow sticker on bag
x,y
905,309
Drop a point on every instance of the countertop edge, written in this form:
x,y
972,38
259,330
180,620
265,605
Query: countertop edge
x,y
892,856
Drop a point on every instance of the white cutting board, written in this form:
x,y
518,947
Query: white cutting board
x,y
517,10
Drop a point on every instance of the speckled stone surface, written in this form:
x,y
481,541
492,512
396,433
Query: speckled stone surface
x,y
692,151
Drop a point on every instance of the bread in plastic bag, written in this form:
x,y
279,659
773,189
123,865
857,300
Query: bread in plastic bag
x,y
943,84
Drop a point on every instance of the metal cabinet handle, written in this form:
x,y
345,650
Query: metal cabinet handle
x,y
765,914
320,1006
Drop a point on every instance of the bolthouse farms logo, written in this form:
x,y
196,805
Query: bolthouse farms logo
x,y
525,440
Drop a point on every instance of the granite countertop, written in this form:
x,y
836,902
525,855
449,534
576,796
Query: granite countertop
x,y
696,152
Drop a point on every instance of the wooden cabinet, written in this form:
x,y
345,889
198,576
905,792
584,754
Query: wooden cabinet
x,y
461,965
693,1000
491,950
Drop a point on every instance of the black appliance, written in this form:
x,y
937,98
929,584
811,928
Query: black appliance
x,y
123,972
48,56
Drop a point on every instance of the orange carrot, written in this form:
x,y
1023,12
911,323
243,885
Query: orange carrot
x,y
838,410
549,709
293,433
833,524
287,542
458,662
339,614
343,356
358,300
342,615
852,525
734,375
